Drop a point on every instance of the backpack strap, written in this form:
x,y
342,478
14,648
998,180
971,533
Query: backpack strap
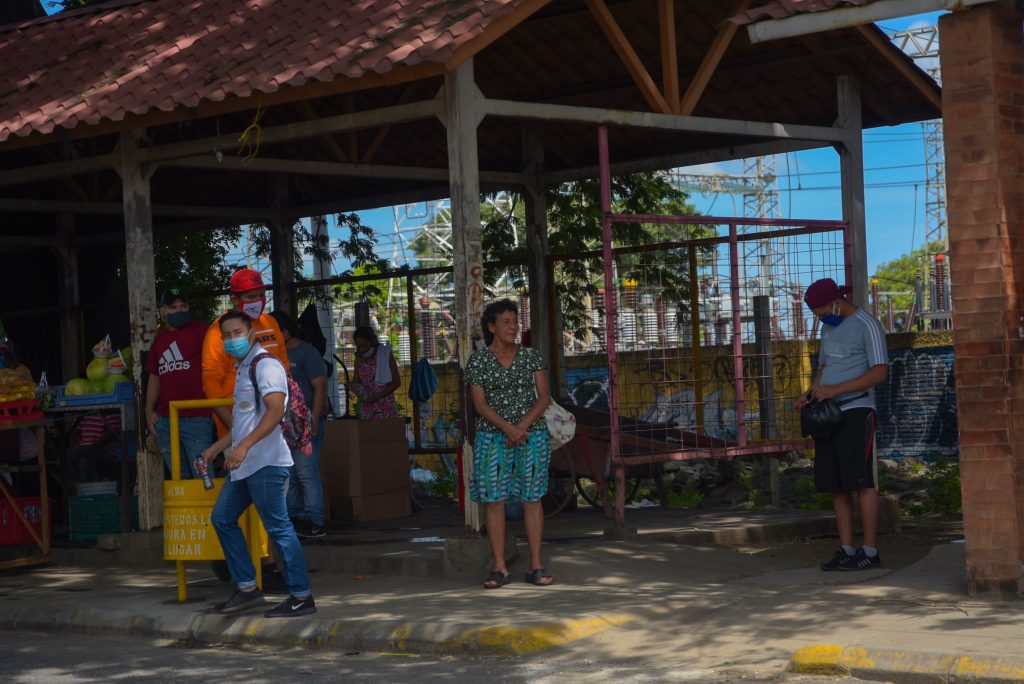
x,y
252,376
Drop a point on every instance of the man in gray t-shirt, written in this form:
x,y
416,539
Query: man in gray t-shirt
x,y
851,362
305,490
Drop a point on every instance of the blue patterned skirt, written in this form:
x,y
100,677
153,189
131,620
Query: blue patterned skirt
x,y
501,472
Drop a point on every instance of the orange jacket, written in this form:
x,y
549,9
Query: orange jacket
x,y
219,367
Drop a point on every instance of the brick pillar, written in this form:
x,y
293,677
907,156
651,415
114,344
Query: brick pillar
x,y
983,119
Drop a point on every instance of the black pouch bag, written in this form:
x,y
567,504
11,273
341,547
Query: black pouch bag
x,y
819,419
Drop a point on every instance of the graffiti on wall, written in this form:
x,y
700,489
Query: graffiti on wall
x,y
917,406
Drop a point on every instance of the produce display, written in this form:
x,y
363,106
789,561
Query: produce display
x,y
109,367
13,387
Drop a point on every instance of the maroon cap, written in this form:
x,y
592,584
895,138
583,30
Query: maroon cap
x,y
824,291
246,279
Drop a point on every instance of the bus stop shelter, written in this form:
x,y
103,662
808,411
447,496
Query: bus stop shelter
x,y
141,117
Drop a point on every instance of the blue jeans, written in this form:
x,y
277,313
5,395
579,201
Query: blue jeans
x,y
265,489
305,490
196,433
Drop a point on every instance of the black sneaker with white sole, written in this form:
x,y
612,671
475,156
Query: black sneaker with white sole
x,y
311,531
860,561
836,560
292,607
240,600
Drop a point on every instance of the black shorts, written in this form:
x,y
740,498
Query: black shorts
x,y
845,461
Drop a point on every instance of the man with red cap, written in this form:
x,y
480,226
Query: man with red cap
x,y
248,294
852,360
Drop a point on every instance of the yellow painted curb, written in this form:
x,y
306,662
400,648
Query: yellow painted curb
x,y
989,668
855,660
817,658
507,640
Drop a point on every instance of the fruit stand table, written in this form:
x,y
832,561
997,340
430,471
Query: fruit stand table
x,y
42,538
126,412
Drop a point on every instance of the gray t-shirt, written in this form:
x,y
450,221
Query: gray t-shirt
x,y
306,365
848,351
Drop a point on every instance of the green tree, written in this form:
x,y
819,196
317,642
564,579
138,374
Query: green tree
x,y
574,221
899,277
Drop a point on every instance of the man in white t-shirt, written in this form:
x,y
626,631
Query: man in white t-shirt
x,y
257,465
852,360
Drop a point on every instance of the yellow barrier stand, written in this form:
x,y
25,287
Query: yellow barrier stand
x,y
187,507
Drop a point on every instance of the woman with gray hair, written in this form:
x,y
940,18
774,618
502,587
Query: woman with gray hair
x,y
511,453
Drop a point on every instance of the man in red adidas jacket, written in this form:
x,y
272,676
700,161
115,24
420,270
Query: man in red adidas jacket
x,y
175,370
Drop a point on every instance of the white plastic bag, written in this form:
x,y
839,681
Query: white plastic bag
x,y
561,425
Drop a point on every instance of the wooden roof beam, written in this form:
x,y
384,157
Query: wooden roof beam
x,y
918,79
630,59
667,122
669,56
328,140
318,168
663,162
116,209
699,83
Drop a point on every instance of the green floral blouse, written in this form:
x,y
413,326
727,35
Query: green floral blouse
x,y
511,391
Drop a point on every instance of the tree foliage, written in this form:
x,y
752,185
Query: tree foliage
x,y
899,277
574,220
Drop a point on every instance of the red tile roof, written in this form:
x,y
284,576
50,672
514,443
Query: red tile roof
x,y
780,9
137,56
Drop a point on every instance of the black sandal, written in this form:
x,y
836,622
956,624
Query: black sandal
x,y
496,580
540,578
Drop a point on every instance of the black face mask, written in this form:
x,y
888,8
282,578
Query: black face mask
x,y
178,319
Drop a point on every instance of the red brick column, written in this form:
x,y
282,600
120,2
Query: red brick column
x,y
983,117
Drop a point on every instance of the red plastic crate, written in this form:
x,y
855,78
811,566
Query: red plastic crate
x,y
12,530
20,411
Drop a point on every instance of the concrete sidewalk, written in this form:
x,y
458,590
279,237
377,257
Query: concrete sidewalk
x,y
713,608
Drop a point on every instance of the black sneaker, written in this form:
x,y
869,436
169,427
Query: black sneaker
x,y
292,607
240,600
837,559
311,531
860,561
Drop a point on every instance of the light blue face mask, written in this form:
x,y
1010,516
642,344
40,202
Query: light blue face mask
x,y
237,347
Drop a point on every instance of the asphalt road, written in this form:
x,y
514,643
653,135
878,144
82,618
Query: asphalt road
x,y
31,658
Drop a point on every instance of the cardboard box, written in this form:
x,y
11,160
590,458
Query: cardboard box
x,y
362,459
384,506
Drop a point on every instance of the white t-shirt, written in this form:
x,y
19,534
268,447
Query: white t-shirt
x,y
272,449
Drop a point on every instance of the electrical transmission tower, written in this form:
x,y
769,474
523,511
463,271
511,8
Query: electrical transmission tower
x,y
922,45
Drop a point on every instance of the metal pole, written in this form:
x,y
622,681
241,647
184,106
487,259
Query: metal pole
x,y
695,322
737,337
610,318
410,321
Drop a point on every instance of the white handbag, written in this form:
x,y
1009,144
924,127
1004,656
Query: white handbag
x,y
561,425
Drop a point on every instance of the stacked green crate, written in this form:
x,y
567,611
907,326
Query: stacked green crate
x,y
93,515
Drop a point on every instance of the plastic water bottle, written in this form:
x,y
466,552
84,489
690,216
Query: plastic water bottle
x,y
204,472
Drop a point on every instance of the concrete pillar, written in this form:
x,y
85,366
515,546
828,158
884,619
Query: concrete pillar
x,y
851,168
70,314
461,121
541,321
282,252
983,75
138,230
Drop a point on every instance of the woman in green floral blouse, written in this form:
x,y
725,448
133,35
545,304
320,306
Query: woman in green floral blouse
x,y
511,453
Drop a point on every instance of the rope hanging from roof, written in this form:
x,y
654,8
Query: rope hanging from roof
x,y
251,138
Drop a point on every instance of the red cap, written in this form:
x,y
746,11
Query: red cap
x,y
824,291
246,279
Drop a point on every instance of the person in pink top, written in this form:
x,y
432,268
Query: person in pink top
x,y
377,376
